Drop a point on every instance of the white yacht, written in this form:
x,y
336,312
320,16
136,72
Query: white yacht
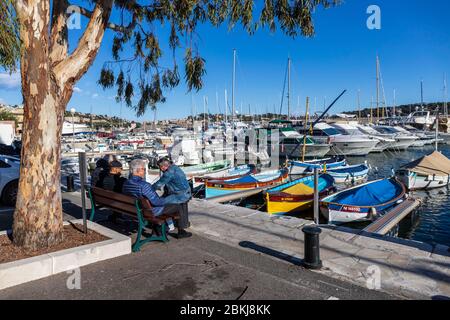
x,y
424,137
353,129
422,120
385,141
402,140
289,140
345,145
75,128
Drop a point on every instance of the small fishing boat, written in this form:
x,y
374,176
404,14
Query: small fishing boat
x,y
297,195
429,172
214,188
299,167
363,202
350,174
206,168
228,174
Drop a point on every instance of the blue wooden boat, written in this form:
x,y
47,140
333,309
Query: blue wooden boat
x,y
297,195
363,202
350,174
214,188
299,167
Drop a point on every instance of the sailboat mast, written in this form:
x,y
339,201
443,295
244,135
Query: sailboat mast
x,y
371,110
233,87
192,110
289,89
421,93
359,105
378,90
395,103
445,96
306,129
217,103
205,102
226,109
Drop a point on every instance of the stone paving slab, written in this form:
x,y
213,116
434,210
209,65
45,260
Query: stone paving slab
x,y
408,267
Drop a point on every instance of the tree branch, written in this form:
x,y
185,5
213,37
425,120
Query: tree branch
x,y
118,28
59,35
75,66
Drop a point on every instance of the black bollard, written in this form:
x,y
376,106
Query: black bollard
x,y
312,248
70,184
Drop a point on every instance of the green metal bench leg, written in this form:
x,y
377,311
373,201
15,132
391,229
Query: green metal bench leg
x,y
91,198
142,223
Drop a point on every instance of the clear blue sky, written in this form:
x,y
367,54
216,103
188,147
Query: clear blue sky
x,y
413,44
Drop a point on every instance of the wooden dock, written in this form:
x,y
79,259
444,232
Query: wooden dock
x,y
393,217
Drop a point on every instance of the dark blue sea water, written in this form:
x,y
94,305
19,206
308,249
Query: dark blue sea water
x,y
431,223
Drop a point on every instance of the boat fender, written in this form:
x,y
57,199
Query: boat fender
x,y
372,213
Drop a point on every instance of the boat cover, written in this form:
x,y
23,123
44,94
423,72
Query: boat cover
x,y
435,163
372,194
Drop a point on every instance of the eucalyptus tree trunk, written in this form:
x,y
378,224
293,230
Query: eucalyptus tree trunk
x,y
48,76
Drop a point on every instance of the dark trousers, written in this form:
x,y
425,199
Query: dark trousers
x,y
182,209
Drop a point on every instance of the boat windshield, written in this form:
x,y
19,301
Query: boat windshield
x,y
349,132
331,131
386,130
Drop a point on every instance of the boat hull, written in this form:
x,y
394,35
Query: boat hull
x,y
298,195
298,167
414,181
346,175
352,148
337,211
402,144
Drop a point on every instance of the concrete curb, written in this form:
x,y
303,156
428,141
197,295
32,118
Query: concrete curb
x,y
34,268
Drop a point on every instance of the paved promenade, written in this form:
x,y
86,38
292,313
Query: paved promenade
x,y
407,268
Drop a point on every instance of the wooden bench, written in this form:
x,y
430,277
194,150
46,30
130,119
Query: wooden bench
x,y
139,209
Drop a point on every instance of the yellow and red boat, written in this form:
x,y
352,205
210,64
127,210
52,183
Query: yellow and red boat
x,y
297,195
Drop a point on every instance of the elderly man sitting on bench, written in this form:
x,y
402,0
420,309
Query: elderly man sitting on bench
x,y
137,187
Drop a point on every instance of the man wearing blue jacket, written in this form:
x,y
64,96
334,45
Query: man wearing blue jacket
x,y
177,186
137,187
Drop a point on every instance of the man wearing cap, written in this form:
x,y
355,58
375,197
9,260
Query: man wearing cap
x,y
112,179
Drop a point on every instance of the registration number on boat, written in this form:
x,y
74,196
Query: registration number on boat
x,y
351,209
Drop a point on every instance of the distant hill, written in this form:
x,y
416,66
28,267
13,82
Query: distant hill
x,y
403,110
